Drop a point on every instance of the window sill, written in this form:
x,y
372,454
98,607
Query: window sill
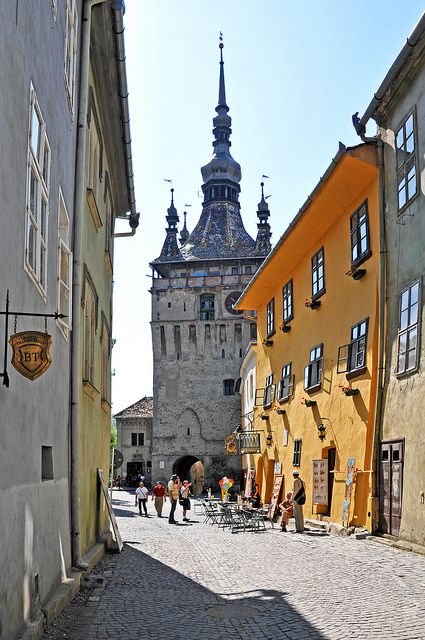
x,y
355,372
269,335
406,374
314,389
90,390
283,400
106,405
318,295
91,201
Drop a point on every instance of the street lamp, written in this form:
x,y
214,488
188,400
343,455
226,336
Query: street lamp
x,y
269,439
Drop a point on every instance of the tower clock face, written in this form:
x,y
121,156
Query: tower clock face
x,y
230,301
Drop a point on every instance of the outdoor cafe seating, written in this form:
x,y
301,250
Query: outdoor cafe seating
x,y
235,517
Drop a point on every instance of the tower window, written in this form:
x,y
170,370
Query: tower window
x,y
229,387
207,306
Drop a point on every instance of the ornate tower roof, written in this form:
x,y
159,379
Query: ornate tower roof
x,y
263,244
184,233
170,249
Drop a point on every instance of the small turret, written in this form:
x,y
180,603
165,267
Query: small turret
x,y
262,243
184,233
170,249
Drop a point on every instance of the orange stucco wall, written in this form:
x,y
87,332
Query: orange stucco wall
x,y
349,421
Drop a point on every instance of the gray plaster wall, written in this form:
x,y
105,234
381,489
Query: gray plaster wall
x,y
127,426
191,414
34,514
403,398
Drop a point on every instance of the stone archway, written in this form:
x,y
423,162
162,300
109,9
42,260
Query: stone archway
x,y
192,469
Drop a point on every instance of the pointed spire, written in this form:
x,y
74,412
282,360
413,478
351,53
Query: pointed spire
x,y
184,233
263,244
222,88
170,249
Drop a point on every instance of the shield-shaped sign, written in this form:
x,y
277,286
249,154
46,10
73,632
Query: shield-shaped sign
x,y
31,355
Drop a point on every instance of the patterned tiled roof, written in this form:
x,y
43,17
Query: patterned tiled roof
x,y
141,409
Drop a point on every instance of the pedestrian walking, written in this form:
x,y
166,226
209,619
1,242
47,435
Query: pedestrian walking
x,y
173,489
287,509
185,494
142,495
158,494
298,500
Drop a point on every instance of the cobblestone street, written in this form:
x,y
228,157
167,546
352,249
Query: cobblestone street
x,y
193,581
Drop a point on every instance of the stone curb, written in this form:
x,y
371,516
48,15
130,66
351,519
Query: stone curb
x,y
403,545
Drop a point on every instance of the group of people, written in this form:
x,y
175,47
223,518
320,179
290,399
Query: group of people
x,y
292,507
176,491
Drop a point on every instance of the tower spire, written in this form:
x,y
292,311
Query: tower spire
x,y
222,86
170,248
262,243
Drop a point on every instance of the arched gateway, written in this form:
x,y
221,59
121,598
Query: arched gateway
x,y
192,469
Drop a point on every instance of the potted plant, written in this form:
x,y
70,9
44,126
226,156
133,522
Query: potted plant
x,y
280,411
312,304
267,342
308,403
285,328
349,391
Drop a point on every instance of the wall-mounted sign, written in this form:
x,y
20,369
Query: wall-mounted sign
x,y
285,437
277,468
31,357
320,481
230,446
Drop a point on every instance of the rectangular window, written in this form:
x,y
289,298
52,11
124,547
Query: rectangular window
x,y
269,391
313,371
229,387
47,463
235,271
287,302
37,206
285,387
64,268
352,356
163,341
141,439
406,161
318,273
177,341
106,362
248,270
359,234
71,51
270,317
408,347
134,439
207,306
297,452
90,317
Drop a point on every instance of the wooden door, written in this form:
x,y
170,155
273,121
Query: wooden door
x,y
391,486
331,467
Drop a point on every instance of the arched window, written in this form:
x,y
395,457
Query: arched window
x,y
206,306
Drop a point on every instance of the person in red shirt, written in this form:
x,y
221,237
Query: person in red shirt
x,y
158,494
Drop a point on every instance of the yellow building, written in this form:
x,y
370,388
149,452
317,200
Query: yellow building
x,y
318,308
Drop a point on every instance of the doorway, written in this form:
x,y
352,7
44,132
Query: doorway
x,y
331,467
391,486
192,469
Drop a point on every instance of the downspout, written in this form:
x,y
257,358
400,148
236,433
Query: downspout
x,y
382,331
76,342
118,9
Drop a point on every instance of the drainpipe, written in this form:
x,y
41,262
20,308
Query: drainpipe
x,y
76,342
382,327
118,9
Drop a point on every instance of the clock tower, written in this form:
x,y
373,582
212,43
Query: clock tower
x,y
199,338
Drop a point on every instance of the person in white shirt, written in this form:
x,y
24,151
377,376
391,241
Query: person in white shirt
x,y
142,495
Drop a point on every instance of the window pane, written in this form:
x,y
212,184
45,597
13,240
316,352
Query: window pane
x,y
33,193
31,245
401,194
64,301
42,266
411,184
404,300
402,341
410,143
43,218
414,293
411,359
35,132
399,139
409,125
404,319
413,314
412,335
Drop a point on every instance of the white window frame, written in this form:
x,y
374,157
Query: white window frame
x,y
37,203
313,372
285,388
409,324
70,58
407,162
106,362
64,284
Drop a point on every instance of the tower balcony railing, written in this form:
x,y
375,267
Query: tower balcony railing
x,y
180,282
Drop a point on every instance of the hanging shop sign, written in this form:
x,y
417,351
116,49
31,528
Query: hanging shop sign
x,y
31,353
249,442
230,446
320,481
31,349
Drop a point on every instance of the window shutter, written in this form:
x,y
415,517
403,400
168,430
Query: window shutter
x,y
259,396
343,358
291,380
306,376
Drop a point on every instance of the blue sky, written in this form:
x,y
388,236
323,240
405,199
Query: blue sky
x,y
295,73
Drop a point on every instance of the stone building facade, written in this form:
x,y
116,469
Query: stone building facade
x,y
134,441
198,338
398,108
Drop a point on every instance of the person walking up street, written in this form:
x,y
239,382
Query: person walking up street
x,y
158,494
142,495
185,498
298,500
173,489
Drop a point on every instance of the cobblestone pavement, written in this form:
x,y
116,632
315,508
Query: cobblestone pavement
x,y
193,581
